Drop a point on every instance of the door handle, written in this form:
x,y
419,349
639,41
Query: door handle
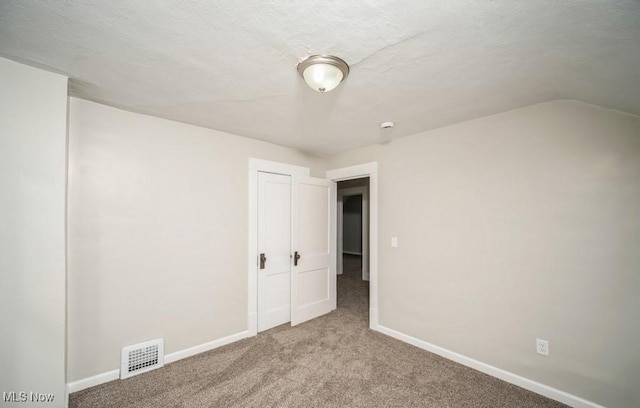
x,y
296,256
263,259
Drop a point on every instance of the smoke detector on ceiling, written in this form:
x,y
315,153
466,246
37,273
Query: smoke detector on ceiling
x,y
386,128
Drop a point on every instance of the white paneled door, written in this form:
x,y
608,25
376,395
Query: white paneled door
x,y
313,277
274,250
296,254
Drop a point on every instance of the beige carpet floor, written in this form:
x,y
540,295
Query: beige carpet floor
x,y
331,361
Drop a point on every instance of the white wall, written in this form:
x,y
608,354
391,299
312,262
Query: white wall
x,y
33,114
520,225
157,233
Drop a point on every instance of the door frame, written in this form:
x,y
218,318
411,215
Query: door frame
x,y
256,166
359,171
364,213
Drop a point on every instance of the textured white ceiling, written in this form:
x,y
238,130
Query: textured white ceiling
x,y
231,65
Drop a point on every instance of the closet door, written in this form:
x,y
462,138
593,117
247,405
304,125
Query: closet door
x,y
274,250
313,276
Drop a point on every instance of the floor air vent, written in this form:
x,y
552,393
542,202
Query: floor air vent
x,y
142,357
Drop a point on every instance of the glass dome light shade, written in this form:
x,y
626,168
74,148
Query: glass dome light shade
x,y
322,77
323,73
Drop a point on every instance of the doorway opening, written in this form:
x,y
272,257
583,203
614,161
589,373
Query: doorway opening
x,y
353,224
370,171
353,245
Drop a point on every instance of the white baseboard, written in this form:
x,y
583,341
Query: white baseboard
x,y
168,358
538,388
192,351
93,381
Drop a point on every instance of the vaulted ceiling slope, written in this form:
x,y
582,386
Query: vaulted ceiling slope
x,y
231,65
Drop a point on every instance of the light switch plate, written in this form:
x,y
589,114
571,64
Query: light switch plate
x,y
394,242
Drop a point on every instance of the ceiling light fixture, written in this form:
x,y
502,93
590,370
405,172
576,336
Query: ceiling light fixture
x,y
323,72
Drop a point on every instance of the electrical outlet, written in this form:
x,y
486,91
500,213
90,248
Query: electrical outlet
x,y
394,242
542,347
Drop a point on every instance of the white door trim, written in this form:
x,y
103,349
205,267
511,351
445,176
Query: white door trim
x,y
348,192
255,166
366,170
339,233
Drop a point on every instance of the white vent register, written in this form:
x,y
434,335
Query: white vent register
x,y
142,357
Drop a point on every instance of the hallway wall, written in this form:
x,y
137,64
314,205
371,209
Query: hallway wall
x,y
352,225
